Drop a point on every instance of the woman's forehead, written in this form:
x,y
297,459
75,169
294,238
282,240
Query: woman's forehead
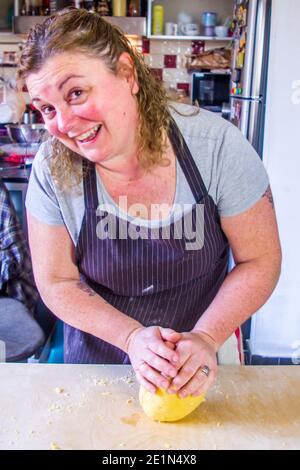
x,y
57,68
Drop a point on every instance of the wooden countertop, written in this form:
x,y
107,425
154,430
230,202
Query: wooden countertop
x,y
44,406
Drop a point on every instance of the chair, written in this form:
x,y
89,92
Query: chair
x,y
20,333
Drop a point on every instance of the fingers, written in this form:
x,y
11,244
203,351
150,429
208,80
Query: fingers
x,y
191,381
198,384
170,345
159,364
168,334
152,377
145,383
159,348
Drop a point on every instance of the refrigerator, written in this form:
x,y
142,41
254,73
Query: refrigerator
x,y
265,105
250,50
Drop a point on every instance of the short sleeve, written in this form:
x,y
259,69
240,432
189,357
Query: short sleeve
x,y
242,179
41,200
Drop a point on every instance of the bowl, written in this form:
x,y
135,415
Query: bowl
x,y
221,31
26,133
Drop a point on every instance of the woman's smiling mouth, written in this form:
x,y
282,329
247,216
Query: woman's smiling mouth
x,y
89,135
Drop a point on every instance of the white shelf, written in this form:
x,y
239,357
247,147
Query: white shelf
x,y
189,38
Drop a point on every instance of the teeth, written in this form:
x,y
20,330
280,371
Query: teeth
x,y
89,133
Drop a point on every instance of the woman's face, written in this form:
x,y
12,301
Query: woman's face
x,y
87,107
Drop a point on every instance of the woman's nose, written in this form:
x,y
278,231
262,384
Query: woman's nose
x,y
65,120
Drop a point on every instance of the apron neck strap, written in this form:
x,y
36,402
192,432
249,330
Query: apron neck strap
x,y
187,162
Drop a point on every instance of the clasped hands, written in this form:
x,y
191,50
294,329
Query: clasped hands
x,y
163,358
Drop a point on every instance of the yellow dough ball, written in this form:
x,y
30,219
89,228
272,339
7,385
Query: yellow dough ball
x,y
165,407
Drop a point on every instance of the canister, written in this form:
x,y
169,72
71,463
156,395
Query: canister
x,y
209,18
119,7
158,20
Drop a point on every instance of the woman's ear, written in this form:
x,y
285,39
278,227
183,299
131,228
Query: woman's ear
x,y
126,70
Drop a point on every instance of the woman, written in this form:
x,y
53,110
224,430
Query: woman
x,y
135,278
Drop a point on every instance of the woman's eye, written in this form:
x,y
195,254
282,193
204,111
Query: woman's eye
x,y
47,110
75,94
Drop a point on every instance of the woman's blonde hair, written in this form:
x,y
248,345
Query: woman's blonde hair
x,y
77,30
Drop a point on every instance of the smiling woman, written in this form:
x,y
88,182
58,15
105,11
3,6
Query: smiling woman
x,y
152,298
76,79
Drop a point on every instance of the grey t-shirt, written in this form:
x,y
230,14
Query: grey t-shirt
x,y
231,170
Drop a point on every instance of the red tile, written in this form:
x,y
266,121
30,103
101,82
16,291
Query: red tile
x,y
185,87
198,47
170,61
145,45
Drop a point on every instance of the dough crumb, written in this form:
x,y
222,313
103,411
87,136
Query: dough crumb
x,y
54,407
55,446
49,422
130,400
101,382
167,445
218,424
59,390
129,380
122,444
105,393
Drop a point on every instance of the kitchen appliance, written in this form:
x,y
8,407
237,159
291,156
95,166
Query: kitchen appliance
x,y
250,52
275,329
17,189
265,107
211,90
252,19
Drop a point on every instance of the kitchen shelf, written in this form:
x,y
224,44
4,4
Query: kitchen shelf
x,y
132,26
189,38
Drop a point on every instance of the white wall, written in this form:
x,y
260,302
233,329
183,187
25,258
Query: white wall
x,y
276,329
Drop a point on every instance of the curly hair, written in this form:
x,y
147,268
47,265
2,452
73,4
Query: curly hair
x,y
72,29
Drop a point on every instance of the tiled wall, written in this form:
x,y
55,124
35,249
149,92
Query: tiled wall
x,y
168,59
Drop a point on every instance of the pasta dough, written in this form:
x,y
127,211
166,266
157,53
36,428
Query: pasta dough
x,y
165,407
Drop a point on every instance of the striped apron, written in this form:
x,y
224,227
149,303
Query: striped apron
x,y
151,277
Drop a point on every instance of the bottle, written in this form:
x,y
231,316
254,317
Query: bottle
x,y
119,7
46,7
89,5
134,8
103,8
52,6
158,20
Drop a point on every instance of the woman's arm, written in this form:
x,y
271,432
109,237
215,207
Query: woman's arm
x,y
253,237
58,281
254,240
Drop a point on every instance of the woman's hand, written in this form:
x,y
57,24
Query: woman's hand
x,y
152,356
196,350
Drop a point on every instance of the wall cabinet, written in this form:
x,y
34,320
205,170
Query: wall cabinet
x,y
172,8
